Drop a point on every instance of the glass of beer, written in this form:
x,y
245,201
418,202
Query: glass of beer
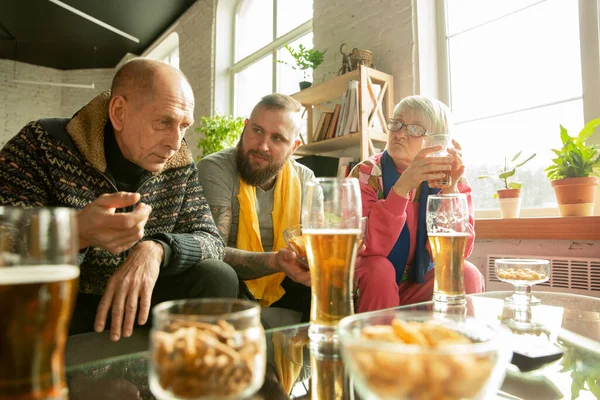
x,y
38,284
331,222
445,142
448,232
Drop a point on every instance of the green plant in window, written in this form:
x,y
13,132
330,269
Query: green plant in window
x,y
509,171
584,369
575,159
304,58
220,132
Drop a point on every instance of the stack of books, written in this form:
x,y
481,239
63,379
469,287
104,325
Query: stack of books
x,y
344,119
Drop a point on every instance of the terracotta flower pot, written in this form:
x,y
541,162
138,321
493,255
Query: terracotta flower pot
x,y
576,196
510,202
508,193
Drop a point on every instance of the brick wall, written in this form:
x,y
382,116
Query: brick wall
x,y
384,27
22,103
73,99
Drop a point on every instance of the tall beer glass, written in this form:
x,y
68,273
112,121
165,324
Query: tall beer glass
x,y
331,221
38,283
448,232
439,140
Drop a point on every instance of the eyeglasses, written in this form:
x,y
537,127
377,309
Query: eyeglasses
x,y
412,130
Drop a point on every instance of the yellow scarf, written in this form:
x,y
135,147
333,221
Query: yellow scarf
x,y
286,212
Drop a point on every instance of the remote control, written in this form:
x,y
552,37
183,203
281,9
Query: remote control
x,y
534,352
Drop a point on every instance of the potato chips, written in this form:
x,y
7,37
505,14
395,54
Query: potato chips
x,y
427,369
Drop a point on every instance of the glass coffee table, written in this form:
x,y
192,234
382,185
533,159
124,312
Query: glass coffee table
x,y
563,322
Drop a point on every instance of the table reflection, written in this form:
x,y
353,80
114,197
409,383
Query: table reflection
x,y
297,370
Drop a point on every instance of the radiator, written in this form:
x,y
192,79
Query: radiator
x,y
567,275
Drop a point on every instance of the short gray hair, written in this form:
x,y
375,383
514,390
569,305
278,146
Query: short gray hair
x,y
438,114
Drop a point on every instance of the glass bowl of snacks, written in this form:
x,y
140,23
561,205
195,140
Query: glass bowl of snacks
x,y
206,349
297,242
410,355
522,274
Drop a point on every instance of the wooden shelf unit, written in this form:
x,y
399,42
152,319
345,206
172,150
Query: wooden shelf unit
x,y
364,139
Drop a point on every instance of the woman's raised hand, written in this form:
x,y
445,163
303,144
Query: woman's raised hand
x,y
423,168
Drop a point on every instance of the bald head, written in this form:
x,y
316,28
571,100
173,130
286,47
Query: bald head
x,y
151,107
137,79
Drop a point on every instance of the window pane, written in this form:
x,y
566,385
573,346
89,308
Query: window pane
x,y
254,27
292,13
465,14
173,58
509,65
486,142
287,77
252,84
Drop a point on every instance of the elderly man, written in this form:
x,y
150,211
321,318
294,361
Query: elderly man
x,y
145,229
255,193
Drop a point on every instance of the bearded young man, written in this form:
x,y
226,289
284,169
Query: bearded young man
x,y
255,192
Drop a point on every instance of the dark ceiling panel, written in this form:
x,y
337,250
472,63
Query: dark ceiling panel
x,y
52,36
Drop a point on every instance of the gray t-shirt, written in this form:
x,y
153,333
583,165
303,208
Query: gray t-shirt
x,y
221,183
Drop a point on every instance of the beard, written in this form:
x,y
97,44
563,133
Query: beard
x,y
252,174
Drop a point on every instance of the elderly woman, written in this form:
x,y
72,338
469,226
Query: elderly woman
x,y
395,266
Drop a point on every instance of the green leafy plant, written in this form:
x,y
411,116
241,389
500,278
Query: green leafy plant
x,y
584,368
220,132
508,171
304,58
575,159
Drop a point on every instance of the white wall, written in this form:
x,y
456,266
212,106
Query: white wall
x,y
21,103
72,99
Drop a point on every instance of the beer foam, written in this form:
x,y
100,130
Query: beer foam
x,y
37,274
332,231
448,234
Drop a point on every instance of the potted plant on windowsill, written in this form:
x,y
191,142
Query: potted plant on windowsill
x,y
304,59
575,171
219,132
509,197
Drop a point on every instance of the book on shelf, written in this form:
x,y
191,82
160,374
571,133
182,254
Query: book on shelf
x,y
352,165
343,166
354,125
317,132
334,121
351,116
343,113
325,127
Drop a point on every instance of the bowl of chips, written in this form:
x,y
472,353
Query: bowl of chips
x,y
409,355
206,349
297,242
